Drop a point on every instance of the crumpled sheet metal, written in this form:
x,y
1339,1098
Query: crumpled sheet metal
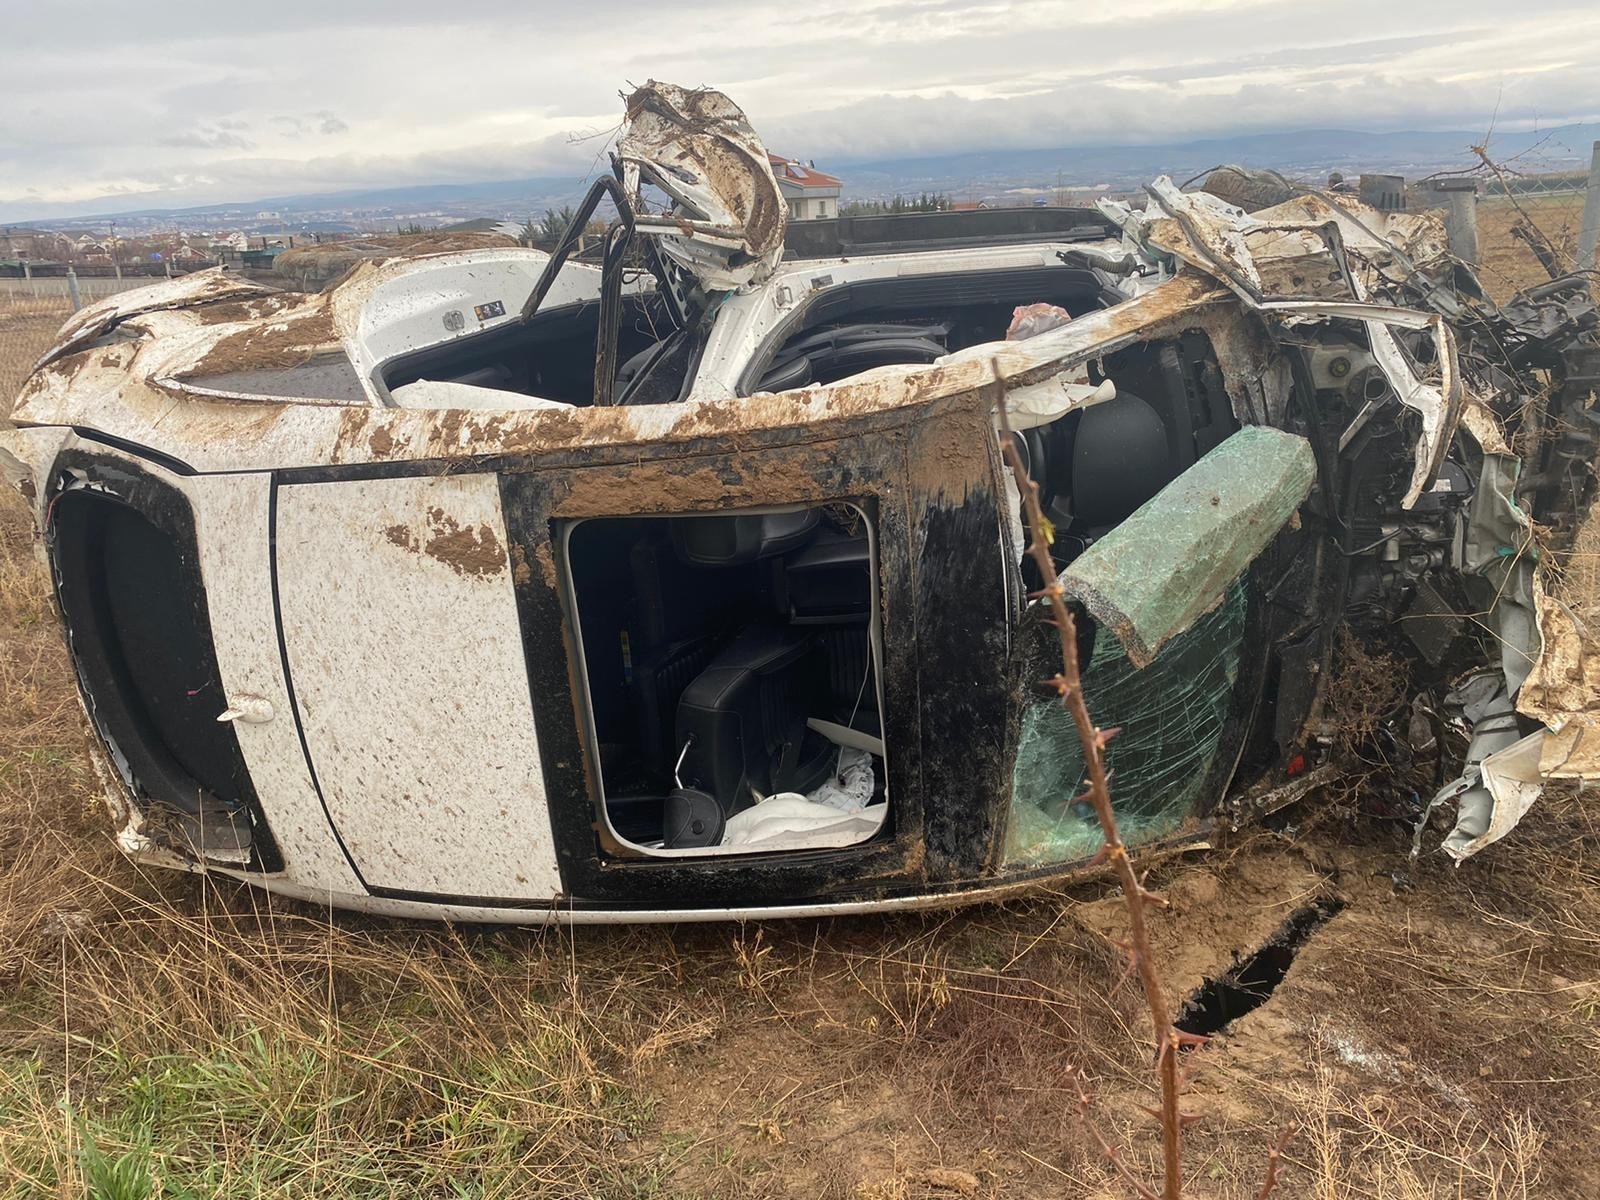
x,y
187,291
1563,687
696,145
1541,620
1310,259
1501,780
1308,248
1158,572
1499,562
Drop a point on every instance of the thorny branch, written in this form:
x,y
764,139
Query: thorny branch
x,y
1068,685
1531,229
1275,1162
1141,959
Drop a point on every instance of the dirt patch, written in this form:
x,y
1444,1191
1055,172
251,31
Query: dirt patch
x,y
285,338
465,550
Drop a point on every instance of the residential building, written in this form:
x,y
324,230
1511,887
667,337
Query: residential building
x,y
19,242
809,193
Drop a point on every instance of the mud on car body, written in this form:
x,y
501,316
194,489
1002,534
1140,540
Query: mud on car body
x,y
501,585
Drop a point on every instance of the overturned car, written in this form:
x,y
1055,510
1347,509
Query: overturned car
x,y
689,583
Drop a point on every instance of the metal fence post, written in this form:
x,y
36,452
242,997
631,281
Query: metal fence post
x,y
1463,223
72,290
1589,234
1459,199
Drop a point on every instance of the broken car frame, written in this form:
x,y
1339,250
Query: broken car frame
x,y
500,586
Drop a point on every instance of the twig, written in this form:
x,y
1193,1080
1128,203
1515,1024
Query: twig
x,y
1136,896
1113,1155
1482,151
1275,1161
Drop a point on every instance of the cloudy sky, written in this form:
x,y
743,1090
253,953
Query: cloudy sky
x,y
179,102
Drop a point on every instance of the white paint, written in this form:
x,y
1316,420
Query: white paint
x,y
410,679
231,517
401,306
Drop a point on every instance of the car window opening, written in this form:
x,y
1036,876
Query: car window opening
x,y
730,672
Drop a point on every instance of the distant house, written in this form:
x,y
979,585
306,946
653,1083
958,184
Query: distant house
x,y
809,193
187,255
19,242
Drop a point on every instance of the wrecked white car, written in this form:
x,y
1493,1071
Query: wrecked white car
x,y
686,584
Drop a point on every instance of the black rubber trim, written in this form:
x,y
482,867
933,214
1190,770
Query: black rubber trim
x,y
166,461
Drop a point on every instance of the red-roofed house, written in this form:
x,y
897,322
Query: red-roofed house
x,y
809,193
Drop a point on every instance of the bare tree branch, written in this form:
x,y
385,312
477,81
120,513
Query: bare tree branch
x,y
1069,686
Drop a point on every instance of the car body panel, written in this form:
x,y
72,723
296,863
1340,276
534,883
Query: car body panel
x,y
389,589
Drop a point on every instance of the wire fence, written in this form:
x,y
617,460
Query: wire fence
x,y
28,326
1569,184
59,287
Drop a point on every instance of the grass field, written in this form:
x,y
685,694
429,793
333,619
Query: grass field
x,y
164,1036
1508,265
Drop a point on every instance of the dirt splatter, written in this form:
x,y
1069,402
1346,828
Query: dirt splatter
x,y
381,443
547,563
466,551
951,455
401,535
521,572
292,339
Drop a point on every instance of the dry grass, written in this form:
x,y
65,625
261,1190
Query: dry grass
x,y
27,326
164,1036
1508,265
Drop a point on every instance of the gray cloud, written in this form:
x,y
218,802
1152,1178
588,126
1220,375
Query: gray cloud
x,y
221,137
201,103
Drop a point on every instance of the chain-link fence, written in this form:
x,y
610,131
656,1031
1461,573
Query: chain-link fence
x,y
33,310
28,325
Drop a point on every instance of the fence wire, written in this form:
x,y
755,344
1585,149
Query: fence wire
x,y
29,322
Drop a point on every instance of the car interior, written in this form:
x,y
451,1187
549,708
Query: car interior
x,y
729,659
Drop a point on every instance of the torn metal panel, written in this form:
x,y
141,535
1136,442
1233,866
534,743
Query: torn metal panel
x,y
726,226
1563,687
1312,259
1501,780
1155,574
1500,553
188,291
1307,248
